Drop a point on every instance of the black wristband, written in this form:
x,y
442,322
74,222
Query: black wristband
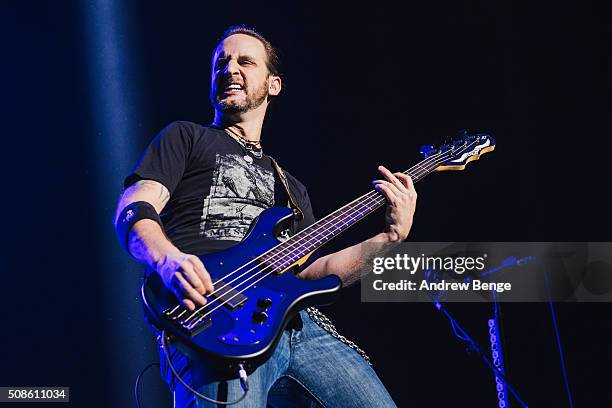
x,y
130,215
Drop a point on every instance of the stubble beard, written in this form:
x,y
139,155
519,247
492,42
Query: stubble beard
x,y
248,103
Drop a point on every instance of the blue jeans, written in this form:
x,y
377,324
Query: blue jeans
x,y
309,368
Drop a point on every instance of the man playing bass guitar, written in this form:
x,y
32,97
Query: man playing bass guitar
x,y
196,191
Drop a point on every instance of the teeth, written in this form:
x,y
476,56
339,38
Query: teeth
x,y
234,86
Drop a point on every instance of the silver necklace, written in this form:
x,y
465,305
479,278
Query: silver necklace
x,y
247,146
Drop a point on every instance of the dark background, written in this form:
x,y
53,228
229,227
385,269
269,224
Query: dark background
x,y
364,85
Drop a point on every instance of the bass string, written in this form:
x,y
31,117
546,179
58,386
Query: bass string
x,y
418,176
308,239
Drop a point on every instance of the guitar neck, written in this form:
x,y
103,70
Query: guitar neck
x,y
324,230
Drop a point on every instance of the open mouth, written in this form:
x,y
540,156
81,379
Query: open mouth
x,y
233,88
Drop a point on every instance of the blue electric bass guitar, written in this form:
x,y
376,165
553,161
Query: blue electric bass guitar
x,y
256,293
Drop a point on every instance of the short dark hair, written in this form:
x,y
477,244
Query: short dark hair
x,y
273,62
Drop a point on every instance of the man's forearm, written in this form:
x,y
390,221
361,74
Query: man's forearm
x,y
181,273
349,262
148,243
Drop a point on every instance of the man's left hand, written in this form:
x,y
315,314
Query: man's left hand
x,y
401,196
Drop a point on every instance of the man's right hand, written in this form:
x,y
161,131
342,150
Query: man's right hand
x,y
186,276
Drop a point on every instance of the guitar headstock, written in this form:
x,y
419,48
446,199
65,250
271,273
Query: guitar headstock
x,y
456,154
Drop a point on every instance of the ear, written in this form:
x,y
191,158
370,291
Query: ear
x,y
275,85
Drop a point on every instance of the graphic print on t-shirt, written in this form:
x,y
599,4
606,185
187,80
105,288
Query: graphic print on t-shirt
x,y
239,192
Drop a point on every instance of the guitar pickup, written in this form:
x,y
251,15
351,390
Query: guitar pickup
x,y
228,296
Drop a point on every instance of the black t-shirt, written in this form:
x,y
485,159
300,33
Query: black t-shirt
x,y
214,192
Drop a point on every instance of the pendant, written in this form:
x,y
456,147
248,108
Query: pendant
x,y
248,159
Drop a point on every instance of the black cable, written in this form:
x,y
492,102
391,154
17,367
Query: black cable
x,y
558,338
242,375
461,334
138,381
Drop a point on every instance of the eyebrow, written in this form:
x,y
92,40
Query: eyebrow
x,y
223,56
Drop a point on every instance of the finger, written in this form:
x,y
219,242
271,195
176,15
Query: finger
x,y
389,195
405,180
200,269
389,176
192,277
188,304
189,291
178,292
393,188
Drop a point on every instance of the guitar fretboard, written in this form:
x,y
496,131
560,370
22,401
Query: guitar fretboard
x,y
329,227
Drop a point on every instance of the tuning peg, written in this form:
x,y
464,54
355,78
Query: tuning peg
x,y
465,137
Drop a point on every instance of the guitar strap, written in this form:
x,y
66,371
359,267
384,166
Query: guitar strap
x,y
319,318
297,211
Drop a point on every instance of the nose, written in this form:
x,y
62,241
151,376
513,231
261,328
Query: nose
x,y
232,67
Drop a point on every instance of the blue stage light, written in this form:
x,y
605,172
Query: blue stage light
x,y
115,107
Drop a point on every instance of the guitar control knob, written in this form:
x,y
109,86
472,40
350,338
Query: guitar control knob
x,y
264,303
259,317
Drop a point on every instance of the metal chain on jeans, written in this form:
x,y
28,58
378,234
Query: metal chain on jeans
x,y
323,322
